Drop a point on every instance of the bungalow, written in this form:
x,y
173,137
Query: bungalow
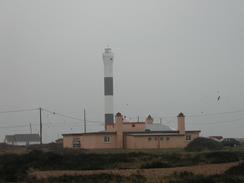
x,y
133,135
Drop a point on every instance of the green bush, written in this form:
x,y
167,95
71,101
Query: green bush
x,y
100,178
191,178
222,157
186,177
156,164
14,168
11,168
237,170
233,175
203,144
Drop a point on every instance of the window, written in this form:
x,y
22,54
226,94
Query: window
x,y
133,125
76,142
188,137
107,139
167,138
149,138
161,138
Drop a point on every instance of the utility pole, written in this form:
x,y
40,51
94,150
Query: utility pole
x,y
84,120
40,125
138,118
30,129
160,120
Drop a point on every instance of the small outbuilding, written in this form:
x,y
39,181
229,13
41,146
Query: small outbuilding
x,y
22,139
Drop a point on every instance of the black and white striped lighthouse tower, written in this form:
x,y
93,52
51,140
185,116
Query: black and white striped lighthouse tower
x,y
108,58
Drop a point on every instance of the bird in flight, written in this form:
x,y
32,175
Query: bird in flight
x,y
218,96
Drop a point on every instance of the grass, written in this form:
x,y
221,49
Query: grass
x,y
233,175
101,178
238,170
14,167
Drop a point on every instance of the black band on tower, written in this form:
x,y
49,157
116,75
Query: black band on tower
x,y
109,119
108,86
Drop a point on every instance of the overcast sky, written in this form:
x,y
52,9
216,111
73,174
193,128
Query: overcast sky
x,y
170,57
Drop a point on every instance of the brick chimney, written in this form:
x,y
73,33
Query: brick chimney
x,y
119,129
181,123
149,119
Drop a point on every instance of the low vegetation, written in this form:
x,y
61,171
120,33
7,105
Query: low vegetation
x,y
237,170
233,175
204,144
15,167
101,178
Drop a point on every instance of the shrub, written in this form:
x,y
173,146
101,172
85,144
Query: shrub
x,y
100,178
202,144
190,178
155,164
222,157
236,170
11,168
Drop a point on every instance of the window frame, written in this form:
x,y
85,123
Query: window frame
x,y
107,139
76,143
188,137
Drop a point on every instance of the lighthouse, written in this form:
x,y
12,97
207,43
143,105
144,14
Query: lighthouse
x,y
108,59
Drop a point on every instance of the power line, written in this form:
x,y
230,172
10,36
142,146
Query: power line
x,y
70,117
13,126
40,111
84,120
220,122
215,114
102,122
92,121
18,126
48,123
79,119
16,111
204,114
63,115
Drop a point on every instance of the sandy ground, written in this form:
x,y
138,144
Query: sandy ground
x,y
209,169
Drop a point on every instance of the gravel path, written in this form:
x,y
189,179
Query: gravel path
x,y
208,169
